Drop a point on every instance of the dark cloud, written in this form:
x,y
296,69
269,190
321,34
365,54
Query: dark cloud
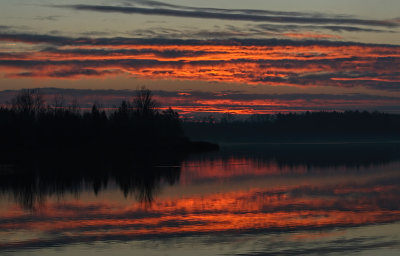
x,y
247,31
124,52
63,40
69,73
95,33
243,15
5,55
284,28
4,27
248,11
34,38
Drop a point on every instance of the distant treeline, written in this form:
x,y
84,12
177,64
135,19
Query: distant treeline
x,y
326,126
136,125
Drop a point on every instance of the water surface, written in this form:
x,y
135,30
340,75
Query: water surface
x,y
244,200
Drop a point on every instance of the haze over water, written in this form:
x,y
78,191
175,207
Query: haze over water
x,y
243,200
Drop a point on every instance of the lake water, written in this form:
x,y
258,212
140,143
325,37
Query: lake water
x,y
337,199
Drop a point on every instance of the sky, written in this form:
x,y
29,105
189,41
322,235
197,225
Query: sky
x,y
206,57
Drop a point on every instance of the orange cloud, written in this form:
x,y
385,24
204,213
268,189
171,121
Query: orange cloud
x,y
254,62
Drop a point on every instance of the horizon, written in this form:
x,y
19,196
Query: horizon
x,y
109,100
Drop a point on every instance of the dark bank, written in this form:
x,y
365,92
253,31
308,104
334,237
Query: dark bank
x,y
137,126
307,127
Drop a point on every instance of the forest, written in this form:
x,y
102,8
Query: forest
x,y
139,126
29,124
298,127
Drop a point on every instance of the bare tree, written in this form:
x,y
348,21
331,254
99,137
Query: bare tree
x,y
74,106
144,104
59,103
28,101
125,107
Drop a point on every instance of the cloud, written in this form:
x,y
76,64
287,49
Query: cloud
x,y
252,31
33,38
110,41
277,62
4,27
70,73
234,14
248,11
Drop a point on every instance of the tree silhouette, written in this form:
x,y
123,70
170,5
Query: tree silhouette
x,y
59,103
137,126
144,104
28,101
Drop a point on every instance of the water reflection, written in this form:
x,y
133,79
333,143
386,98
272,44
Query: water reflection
x,y
279,202
31,180
310,155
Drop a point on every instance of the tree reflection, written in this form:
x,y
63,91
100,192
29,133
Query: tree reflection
x,y
30,179
318,155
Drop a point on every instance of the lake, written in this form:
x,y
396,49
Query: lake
x,y
246,199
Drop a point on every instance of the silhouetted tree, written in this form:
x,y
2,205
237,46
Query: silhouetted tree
x,y
144,104
59,103
172,125
74,106
28,101
136,126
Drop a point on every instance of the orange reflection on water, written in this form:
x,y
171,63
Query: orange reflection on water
x,y
280,198
280,208
233,167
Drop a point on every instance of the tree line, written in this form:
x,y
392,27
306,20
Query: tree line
x,y
137,125
298,126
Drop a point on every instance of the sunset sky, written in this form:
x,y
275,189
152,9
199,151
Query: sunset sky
x,y
206,57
